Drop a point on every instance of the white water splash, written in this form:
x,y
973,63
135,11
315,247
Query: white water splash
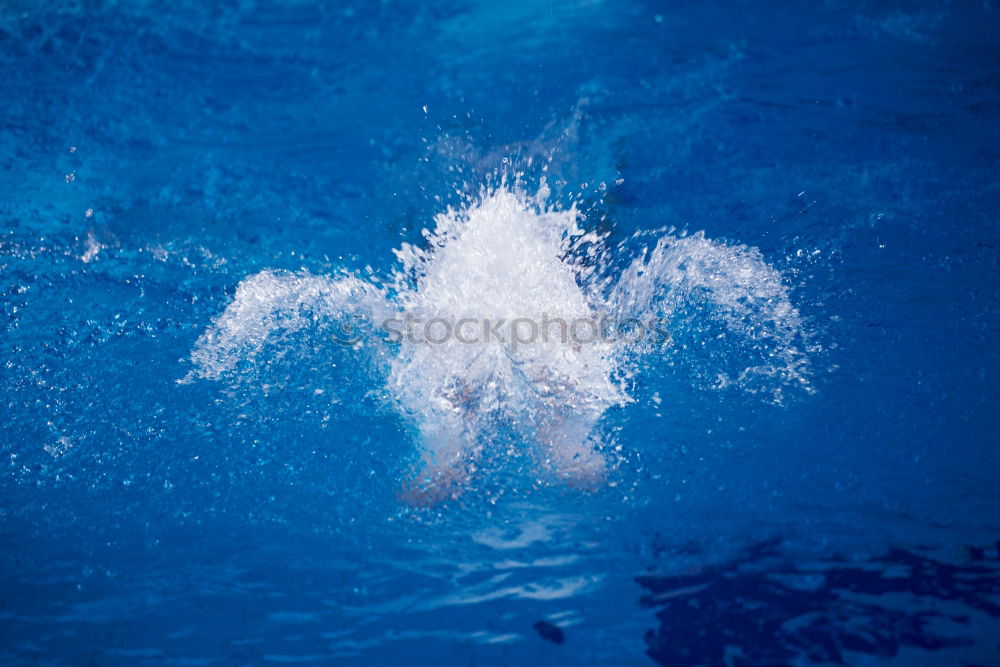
x,y
273,304
92,248
504,257
507,255
696,278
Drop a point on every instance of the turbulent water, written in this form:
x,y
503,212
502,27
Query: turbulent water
x,y
528,313
771,437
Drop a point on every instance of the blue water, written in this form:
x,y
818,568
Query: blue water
x,y
154,155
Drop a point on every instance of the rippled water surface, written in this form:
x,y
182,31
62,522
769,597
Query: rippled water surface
x,y
198,200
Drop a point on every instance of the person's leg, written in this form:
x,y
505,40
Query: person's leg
x,y
568,448
450,450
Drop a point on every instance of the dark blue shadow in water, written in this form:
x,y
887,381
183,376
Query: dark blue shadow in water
x,y
762,609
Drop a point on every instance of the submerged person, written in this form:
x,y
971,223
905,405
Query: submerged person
x,y
551,411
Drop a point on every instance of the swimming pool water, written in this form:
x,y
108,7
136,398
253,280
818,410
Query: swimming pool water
x,y
154,155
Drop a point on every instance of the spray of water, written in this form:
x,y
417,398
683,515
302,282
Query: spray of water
x,y
509,256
